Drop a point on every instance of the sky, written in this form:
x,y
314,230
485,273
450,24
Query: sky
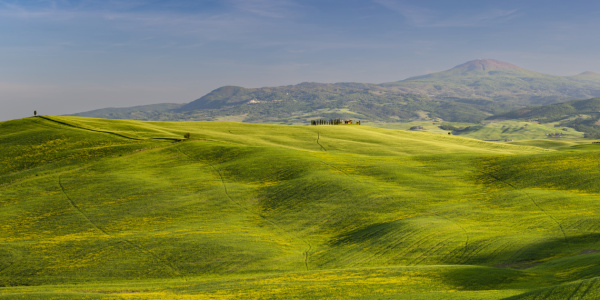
x,y
67,56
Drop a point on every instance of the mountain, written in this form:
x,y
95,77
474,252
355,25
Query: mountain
x,y
469,92
306,101
480,67
121,209
501,81
224,96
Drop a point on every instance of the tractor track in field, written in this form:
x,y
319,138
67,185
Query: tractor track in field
x,y
538,206
416,244
6,268
62,187
306,253
478,248
108,132
466,233
572,296
341,171
175,140
464,252
432,250
318,137
406,239
587,289
104,232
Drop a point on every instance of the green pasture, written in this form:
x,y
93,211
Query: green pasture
x,y
498,131
116,209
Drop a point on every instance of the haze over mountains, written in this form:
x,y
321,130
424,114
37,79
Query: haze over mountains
x,y
469,92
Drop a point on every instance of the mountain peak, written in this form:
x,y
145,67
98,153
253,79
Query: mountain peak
x,y
485,65
478,67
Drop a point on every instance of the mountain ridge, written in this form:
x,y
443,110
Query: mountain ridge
x,y
477,66
500,81
469,92
486,64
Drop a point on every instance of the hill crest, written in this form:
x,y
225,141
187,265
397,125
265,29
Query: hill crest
x,y
475,69
486,65
469,92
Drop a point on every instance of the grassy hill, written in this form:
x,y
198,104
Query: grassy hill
x,y
121,209
499,131
581,115
158,112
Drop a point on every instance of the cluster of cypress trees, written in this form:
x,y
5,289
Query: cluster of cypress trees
x,y
337,121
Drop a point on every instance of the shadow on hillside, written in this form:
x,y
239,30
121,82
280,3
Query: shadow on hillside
x,y
539,253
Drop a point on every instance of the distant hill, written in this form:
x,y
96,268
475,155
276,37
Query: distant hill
x,y
469,92
306,101
156,112
588,76
582,115
501,81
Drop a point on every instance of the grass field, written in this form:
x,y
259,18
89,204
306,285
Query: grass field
x,y
115,209
499,131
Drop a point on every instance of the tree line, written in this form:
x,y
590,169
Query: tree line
x,y
337,121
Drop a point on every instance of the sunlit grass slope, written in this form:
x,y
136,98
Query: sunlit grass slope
x,y
514,130
494,131
126,209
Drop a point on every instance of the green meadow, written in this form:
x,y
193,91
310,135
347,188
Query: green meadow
x,y
116,209
498,131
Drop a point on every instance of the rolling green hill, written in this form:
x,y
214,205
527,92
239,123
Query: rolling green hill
x,y
581,115
470,92
122,209
498,131
158,112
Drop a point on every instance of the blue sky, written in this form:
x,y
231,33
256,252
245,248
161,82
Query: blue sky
x,y
68,56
